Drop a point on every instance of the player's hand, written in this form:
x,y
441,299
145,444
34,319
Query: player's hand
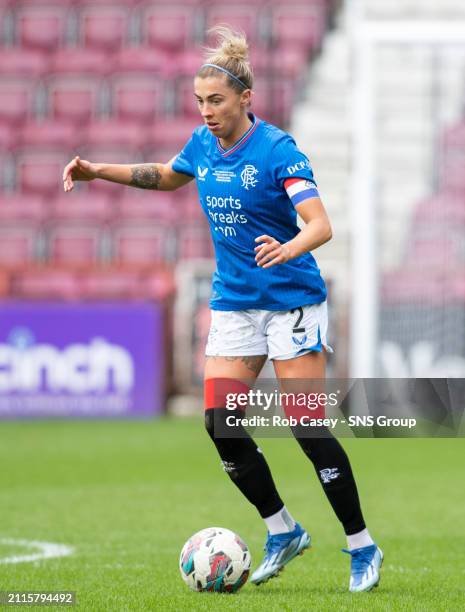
x,y
270,252
78,170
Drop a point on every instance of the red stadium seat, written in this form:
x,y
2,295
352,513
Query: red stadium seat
x,y
82,207
187,62
140,205
454,140
19,207
76,245
75,99
40,172
45,283
288,61
85,62
166,27
262,99
8,137
186,101
16,100
111,283
244,18
194,242
18,245
51,132
156,62
140,98
160,285
298,26
23,62
103,27
173,133
118,132
452,174
42,28
191,209
142,244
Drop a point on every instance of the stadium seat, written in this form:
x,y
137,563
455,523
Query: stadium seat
x,y
156,62
103,27
159,285
139,98
166,27
433,252
298,26
54,133
187,62
23,62
262,100
142,244
140,205
194,242
452,176
115,132
81,207
73,98
84,62
111,283
243,17
454,140
191,209
16,99
186,102
8,137
173,133
74,245
16,207
443,213
39,172
45,283
288,61
19,244
41,28
5,289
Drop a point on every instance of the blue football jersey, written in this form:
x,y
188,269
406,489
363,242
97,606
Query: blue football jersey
x,y
242,193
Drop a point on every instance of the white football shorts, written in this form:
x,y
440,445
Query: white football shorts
x,y
282,334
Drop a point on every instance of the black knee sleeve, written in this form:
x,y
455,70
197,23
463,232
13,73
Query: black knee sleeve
x,y
335,474
243,461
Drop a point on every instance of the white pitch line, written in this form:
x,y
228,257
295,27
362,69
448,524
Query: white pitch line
x,y
47,550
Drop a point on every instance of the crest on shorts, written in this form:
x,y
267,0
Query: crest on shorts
x,y
248,176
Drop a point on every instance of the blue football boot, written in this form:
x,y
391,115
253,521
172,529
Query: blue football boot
x,y
279,550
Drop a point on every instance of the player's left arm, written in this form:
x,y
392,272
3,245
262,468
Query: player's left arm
x,y
317,231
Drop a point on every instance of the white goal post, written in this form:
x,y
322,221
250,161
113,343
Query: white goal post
x,y
365,35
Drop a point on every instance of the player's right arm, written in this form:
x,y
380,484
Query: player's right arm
x,y
155,176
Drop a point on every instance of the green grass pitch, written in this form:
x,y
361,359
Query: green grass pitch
x,y
126,496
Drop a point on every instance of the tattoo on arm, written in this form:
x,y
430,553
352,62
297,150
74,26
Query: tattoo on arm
x,y
145,176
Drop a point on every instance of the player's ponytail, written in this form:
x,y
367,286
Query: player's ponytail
x,y
230,56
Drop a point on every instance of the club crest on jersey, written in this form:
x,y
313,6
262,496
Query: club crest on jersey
x,y
248,176
201,172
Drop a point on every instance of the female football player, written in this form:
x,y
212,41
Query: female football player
x,y
268,298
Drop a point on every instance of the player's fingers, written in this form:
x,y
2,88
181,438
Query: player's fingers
x,y
264,251
267,247
276,260
269,256
264,238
